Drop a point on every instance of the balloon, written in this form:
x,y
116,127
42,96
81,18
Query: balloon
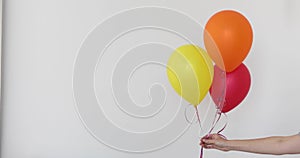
x,y
229,93
228,38
190,72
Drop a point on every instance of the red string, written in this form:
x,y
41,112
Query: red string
x,y
216,120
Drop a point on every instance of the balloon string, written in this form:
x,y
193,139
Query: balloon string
x,y
201,152
186,117
216,120
222,129
198,117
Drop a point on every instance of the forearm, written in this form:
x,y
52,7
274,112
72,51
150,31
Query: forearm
x,y
271,145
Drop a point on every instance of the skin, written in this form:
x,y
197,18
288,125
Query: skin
x,y
276,145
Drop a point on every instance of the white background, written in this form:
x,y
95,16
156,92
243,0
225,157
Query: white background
x,y
42,38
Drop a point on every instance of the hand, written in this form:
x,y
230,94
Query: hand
x,y
214,141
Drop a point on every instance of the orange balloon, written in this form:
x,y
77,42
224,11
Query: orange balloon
x,y
228,38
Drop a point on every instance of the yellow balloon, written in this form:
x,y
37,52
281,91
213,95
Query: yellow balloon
x,y
190,72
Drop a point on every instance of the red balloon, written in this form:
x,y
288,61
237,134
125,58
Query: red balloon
x,y
229,89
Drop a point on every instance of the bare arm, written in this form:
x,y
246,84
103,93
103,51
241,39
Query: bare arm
x,y
276,145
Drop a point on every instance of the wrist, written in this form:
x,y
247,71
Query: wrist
x,y
228,145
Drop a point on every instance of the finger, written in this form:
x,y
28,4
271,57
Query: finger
x,y
201,140
209,141
208,146
201,143
205,137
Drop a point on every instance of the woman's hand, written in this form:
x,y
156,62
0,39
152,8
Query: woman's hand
x,y
214,141
275,145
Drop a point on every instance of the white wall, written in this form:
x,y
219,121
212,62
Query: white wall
x,y
40,46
